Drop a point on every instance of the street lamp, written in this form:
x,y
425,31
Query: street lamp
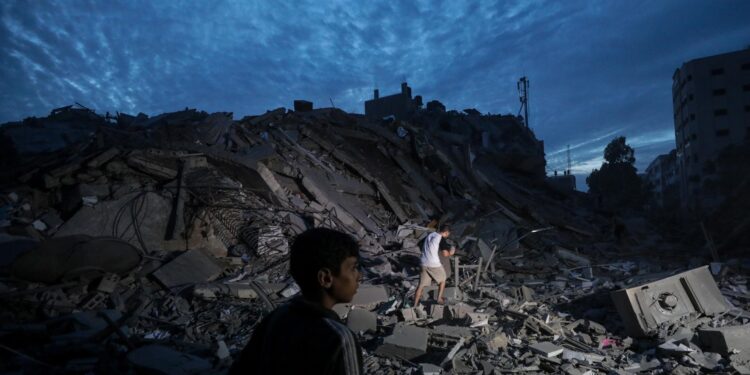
x,y
492,254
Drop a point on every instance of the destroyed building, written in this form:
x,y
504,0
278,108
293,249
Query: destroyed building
x,y
156,244
401,106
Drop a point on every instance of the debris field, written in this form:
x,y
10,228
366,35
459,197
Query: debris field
x,y
156,244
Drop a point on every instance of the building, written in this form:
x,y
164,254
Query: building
x,y
711,99
662,178
401,105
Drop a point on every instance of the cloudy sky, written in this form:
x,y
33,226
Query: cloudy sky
x,y
598,69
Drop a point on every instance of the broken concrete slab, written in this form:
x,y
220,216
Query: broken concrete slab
x,y
726,340
644,308
406,342
135,216
360,320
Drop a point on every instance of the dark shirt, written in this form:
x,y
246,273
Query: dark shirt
x,y
300,338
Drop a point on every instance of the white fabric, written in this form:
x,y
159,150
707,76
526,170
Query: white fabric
x,y
430,257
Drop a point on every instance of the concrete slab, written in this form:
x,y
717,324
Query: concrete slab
x,y
546,349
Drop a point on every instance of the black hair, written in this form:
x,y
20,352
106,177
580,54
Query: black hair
x,y
444,228
319,248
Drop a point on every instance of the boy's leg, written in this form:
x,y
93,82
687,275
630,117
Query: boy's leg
x,y
424,280
417,296
441,289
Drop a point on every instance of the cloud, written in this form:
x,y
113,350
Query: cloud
x,y
597,69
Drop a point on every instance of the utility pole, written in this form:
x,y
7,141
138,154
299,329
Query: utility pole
x,y
523,96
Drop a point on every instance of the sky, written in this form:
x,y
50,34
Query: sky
x,y
597,69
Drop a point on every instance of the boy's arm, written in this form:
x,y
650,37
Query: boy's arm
x,y
346,358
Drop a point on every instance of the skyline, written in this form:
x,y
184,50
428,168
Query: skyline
x,y
597,70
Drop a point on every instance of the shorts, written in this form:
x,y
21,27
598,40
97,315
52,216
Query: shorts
x,y
431,273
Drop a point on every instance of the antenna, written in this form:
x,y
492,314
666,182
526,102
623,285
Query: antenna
x,y
523,96
568,172
332,105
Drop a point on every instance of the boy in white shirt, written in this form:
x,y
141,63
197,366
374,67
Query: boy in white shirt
x,y
432,269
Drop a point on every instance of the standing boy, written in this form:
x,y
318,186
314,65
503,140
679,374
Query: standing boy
x,y
432,269
306,336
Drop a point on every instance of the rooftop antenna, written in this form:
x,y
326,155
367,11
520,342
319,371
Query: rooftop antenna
x,y
332,105
568,172
523,96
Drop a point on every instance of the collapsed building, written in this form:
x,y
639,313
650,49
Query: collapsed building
x,y
156,244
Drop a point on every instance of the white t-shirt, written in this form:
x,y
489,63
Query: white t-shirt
x,y
430,248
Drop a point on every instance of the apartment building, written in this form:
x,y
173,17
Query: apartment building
x,y
711,99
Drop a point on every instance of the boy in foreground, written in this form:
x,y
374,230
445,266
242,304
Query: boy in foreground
x,y
305,336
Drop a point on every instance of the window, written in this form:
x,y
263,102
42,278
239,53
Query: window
x,y
717,72
746,88
720,112
693,137
690,77
747,108
690,97
692,117
722,132
720,92
746,66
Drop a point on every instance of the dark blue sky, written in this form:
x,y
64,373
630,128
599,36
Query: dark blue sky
x,y
598,69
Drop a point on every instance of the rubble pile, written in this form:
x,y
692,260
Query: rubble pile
x,y
156,244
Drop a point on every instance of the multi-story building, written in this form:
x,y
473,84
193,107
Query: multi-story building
x,y
711,98
662,178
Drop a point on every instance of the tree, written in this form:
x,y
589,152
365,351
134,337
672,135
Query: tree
x,y
616,183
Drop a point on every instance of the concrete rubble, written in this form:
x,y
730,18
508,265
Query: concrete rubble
x,y
156,244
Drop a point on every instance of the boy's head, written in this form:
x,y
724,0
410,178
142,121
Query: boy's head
x,y
445,230
325,261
